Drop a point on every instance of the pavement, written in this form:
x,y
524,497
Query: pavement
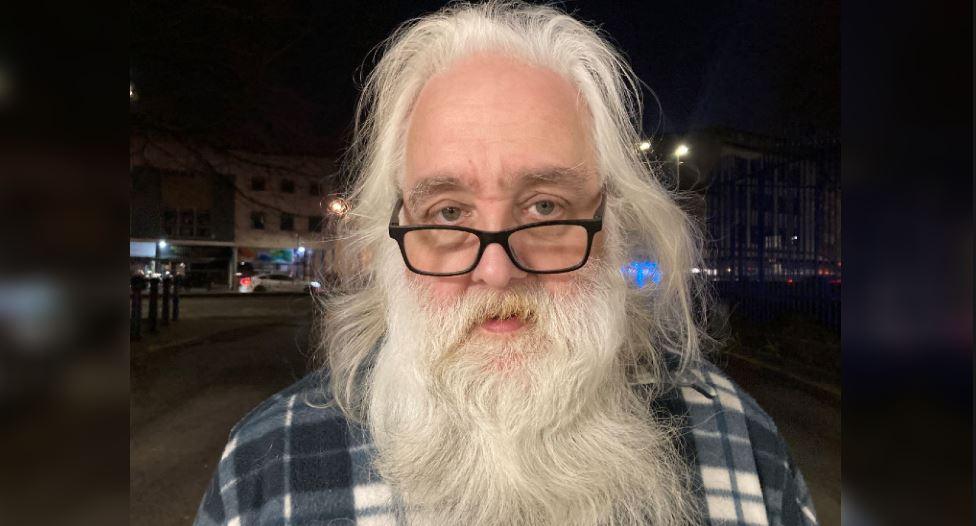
x,y
195,378
185,399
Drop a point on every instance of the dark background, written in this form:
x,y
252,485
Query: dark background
x,y
285,75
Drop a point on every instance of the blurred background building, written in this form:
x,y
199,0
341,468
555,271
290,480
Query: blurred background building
x,y
213,215
770,209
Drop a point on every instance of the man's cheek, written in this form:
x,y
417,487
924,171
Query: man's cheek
x,y
438,291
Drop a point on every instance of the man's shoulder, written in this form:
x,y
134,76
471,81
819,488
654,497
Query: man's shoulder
x,y
722,383
310,392
738,446
299,422
291,417
291,451
703,382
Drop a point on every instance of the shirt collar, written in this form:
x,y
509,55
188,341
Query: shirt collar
x,y
691,376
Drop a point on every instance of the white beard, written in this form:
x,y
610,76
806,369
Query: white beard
x,y
537,429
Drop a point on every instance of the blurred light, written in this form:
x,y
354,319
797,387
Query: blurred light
x,y
640,271
33,315
338,206
301,251
696,270
162,243
245,282
315,284
682,150
133,96
795,238
644,146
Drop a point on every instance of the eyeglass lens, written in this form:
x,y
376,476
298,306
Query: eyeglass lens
x,y
541,248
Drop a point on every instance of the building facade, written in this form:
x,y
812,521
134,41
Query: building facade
x,y
773,214
213,216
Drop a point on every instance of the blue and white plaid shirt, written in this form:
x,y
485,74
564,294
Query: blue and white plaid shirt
x,y
292,462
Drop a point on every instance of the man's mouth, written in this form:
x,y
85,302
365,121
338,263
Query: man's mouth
x,y
503,325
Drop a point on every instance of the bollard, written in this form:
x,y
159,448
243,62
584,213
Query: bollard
x,y
167,283
177,281
153,299
135,317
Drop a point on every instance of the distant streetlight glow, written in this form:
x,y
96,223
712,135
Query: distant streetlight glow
x,y
644,146
301,251
132,93
338,206
162,243
679,152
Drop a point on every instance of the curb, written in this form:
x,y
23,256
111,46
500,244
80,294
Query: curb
x,y
824,392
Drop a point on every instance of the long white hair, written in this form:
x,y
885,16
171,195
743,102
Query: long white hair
x,y
641,213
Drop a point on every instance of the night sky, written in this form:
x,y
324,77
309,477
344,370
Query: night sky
x,y
284,76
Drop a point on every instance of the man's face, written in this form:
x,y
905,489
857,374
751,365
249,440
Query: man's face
x,y
494,143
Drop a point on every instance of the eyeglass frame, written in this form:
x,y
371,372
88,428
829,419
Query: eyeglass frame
x,y
485,238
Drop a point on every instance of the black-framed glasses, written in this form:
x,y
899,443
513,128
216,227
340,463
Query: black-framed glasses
x,y
547,247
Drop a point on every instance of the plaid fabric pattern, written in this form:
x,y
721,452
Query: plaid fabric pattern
x,y
293,461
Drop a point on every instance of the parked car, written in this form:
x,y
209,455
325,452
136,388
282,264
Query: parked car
x,y
275,283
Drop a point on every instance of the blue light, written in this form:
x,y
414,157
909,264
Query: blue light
x,y
301,251
640,271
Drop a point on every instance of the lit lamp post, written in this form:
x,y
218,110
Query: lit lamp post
x,y
679,152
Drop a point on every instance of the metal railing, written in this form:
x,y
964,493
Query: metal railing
x,y
774,230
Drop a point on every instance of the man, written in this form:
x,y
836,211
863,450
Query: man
x,y
486,362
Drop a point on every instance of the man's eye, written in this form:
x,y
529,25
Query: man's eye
x,y
450,213
544,208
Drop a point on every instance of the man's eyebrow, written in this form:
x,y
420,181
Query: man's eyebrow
x,y
572,178
430,186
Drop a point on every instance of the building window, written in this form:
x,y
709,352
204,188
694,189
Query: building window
x,y
288,186
314,188
287,222
169,221
203,223
186,223
257,220
315,224
258,184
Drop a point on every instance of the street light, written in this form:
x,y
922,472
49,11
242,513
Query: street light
x,y
162,243
644,146
679,152
338,206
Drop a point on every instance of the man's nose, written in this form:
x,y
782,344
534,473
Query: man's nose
x,y
496,269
